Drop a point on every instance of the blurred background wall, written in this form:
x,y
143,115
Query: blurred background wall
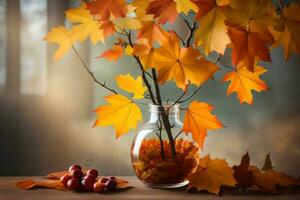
x,y
46,106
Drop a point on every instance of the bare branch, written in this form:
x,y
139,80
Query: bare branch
x,y
188,98
91,73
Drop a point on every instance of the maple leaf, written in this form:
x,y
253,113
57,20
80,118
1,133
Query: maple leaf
x,y
131,85
242,173
105,9
242,81
212,31
204,6
112,54
211,174
152,32
140,11
145,53
108,28
269,179
268,163
247,47
128,23
59,35
198,119
121,113
253,15
50,184
181,64
184,6
289,36
163,10
86,25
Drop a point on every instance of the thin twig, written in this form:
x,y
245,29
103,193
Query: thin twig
x,y
91,73
178,134
142,70
191,34
188,98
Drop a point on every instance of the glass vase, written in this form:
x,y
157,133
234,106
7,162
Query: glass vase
x,y
162,155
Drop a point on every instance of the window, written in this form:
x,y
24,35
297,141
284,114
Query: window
x,y
33,50
2,45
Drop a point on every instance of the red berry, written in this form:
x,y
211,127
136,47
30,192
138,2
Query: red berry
x,y
64,179
89,176
99,187
76,173
72,167
88,184
92,172
111,185
103,180
73,184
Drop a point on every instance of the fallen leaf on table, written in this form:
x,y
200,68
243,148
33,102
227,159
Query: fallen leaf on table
x,y
242,173
57,175
211,174
271,180
50,184
122,183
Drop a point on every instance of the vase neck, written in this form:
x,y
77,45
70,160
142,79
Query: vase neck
x,y
157,110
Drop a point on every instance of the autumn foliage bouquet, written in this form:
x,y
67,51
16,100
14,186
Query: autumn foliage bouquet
x,y
145,31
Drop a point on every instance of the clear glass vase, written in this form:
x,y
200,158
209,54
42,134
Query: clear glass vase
x,y
162,155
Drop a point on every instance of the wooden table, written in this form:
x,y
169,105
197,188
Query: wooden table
x,y
8,191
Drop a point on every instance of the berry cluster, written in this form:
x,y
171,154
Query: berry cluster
x,y
76,180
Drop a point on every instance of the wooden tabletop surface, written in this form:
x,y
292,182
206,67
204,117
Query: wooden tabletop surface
x,y
9,191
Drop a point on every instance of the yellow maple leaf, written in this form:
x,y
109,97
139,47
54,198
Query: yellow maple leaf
x,y
198,119
59,35
86,25
243,81
184,6
212,32
211,174
131,85
140,11
121,113
127,23
289,36
181,64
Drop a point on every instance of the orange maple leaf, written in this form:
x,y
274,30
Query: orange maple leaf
x,y
289,36
112,54
247,47
242,81
211,174
108,28
198,119
163,10
152,32
182,65
204,6
104,9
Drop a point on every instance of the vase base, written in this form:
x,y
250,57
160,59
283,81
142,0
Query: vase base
x,y
167,186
